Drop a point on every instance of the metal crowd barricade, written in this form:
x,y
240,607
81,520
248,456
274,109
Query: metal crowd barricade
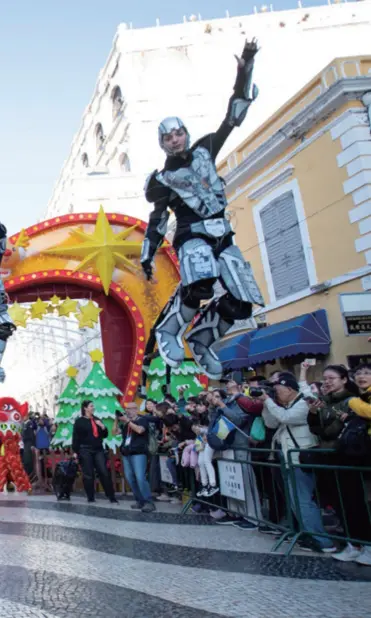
x,y
334,491
253,484
45,463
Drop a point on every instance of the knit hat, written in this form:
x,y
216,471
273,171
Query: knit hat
x,y
289,380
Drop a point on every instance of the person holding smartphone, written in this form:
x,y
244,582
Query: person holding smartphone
x,y
87,444
134,449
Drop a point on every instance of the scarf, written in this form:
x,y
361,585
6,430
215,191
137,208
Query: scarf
x,y
94,427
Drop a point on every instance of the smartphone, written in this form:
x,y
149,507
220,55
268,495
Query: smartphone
x,y
311,399
311,361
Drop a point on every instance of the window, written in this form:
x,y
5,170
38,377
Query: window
x,y
117,102
284,242
124,162
85,159
99,136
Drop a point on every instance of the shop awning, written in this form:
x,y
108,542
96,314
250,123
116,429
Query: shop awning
x,y
306,334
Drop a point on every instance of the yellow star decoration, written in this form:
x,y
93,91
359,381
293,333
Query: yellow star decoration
x,y
18,314
55,300
68,306
83,322
90,311
96,356
38,309
22,240
72,372
103,249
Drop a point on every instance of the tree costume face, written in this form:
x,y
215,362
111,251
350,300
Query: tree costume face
x,y
12,415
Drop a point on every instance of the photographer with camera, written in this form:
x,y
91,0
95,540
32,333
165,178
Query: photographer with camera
x,y
134,449
249,405
289,418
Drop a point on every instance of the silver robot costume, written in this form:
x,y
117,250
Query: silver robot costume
x,y
6,326
190,186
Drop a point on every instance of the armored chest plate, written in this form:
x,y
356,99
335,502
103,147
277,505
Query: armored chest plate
x,y
198,185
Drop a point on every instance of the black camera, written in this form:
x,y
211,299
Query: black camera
x,y
119,414
255,391
258,391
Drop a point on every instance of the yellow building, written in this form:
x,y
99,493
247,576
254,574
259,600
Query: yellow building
x,y
299,193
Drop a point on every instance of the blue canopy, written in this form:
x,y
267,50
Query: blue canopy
x,y
306,334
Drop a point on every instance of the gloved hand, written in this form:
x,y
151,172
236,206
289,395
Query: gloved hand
x,y
147,269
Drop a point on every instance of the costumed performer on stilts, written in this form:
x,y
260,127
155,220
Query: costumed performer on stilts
x,y
189,185
7,328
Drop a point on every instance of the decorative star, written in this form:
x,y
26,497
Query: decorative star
x,y
68,306
90,311
102,250
55,300
18,314
72,372
96,356
83,321
38,309
22,240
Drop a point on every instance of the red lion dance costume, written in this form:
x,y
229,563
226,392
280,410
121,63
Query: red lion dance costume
x,y
12,414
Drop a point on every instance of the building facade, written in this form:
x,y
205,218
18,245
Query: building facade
x,y
299,198
188,70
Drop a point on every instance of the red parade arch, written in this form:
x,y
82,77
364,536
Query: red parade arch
x,y
127,314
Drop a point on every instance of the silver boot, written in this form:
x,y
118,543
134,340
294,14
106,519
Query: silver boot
x,y
170,332
208,328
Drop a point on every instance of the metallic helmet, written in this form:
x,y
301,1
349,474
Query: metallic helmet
x,y
167,126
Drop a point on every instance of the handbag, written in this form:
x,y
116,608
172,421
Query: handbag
x,y
354,440
306,456
257,431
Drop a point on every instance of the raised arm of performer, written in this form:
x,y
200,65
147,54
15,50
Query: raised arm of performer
x,y
244,93
174,139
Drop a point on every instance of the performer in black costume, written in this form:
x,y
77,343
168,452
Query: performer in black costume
x,y
7,328
189,185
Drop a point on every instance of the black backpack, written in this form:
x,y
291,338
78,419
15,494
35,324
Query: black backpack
x,y
354,440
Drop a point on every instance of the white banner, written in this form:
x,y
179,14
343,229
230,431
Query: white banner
x,y
165,474
231,480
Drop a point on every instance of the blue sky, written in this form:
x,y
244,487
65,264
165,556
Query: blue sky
x,y
50,53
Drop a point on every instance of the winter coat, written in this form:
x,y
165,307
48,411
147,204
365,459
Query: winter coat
x,y
293,417
326,423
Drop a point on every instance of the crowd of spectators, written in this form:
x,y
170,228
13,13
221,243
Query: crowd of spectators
x,y
282,422
332,414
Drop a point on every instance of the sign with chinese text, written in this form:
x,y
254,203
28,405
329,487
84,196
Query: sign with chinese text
x,y
231,480
358,324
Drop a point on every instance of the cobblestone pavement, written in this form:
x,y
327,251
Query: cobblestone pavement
x,y
73,561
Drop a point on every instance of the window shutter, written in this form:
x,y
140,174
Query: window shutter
x,y
284,246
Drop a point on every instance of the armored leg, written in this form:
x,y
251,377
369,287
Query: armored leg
x,y
7,328
198,269
170,331
216,319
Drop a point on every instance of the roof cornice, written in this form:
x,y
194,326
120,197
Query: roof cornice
x,y
341,92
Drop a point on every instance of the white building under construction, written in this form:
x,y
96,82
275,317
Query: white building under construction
x,y
188,70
